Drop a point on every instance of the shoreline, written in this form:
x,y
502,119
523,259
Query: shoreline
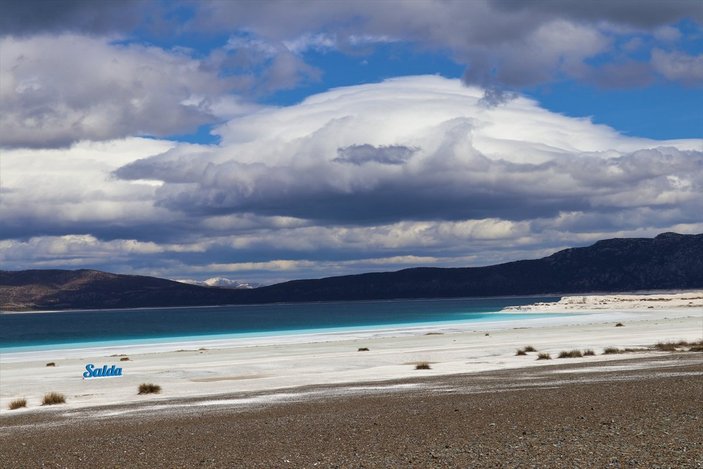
x,y
284,303
205,369
536,295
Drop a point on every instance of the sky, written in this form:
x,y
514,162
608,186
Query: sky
x,y
264,141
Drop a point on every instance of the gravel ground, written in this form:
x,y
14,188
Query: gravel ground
x,y
632,413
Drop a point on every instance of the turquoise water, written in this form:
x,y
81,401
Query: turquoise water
x,y
36,331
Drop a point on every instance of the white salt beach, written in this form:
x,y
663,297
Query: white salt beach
x,y
203,367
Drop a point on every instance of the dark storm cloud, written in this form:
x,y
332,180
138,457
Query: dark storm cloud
x,y
638,13
25,17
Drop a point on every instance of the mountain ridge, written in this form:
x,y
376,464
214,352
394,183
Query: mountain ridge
x,y
669,261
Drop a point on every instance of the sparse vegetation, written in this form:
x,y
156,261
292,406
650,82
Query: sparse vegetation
x,y
588,352
363,349
544,356
149,388
670,346
422,366
570,354
17,403
124,359
520,352
619,325
681,345
614,350
530,348
51,364
53,398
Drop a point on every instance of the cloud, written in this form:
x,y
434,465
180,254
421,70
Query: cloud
x,y
353,179
21,17
625,74
515,162
679,66
503,43
56,90
70,191
636,13
362,154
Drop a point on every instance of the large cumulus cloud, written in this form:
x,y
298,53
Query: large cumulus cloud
x,y
421,149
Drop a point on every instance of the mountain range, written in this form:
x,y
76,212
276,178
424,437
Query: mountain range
x,y
667,262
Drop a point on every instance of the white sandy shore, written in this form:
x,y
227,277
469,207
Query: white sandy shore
x,y
287,361
691,299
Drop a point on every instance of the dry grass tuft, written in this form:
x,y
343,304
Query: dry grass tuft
x,y
422,366
670,346
570,354
51,364
530,348
520,352
363,349
17,403
614,350
148,388
588,352
619,325
124,359
53,398
544,356
681,345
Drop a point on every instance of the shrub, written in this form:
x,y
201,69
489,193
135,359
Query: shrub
x,y
619,325
669,346
530,348
422,366
696,348
17,403
124,359
51,364
588,352
363,349
544,356
148,388
53,398
612,350
520,352
570,354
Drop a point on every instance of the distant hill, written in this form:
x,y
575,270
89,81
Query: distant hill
x,y
91,289
668,261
